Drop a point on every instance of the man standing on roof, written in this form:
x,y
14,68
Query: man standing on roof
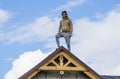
x,y
65,29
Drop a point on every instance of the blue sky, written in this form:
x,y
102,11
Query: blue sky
x,y
29,25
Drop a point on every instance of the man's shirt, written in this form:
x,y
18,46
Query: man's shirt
x,y
66,25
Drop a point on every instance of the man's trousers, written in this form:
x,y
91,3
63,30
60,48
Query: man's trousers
x,y
66,35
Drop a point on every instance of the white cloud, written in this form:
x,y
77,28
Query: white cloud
x,y
69,5
97,42
41,29
8,59
25,62
99,16
117,70
4,15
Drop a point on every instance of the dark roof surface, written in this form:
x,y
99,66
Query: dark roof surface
x,y
110,77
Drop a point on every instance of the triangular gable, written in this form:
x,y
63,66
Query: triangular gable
x,y
61,59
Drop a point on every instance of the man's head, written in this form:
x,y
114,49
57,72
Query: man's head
x,y
64,14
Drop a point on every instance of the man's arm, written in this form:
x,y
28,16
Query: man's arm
x,y
71,27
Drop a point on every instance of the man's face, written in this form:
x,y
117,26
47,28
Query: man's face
x,y
64,15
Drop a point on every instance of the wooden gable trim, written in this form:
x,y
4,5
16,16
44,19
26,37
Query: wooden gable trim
x,y
35,70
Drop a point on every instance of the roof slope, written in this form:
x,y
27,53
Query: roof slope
x,y
110,77
53,54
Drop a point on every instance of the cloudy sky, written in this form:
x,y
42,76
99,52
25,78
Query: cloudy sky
x,y
28,28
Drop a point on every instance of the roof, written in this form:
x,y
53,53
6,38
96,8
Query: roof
x,y
110,77
69,53
51,55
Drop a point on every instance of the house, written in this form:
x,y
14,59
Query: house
x,y
62,64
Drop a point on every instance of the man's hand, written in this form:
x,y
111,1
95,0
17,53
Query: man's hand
x,y
71,34
58,33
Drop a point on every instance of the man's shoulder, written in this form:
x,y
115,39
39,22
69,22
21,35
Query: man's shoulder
x,y
69,18
66,19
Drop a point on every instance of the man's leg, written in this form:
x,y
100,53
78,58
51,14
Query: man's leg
x,y
67,39
57,38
